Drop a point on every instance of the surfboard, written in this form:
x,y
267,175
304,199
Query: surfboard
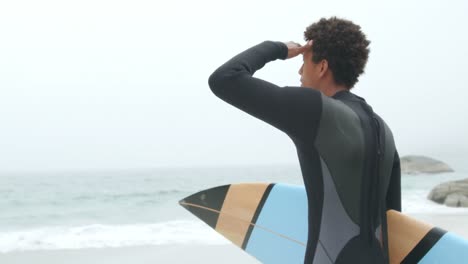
x,y
269,222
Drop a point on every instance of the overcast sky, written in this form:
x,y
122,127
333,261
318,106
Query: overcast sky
x,y
101,84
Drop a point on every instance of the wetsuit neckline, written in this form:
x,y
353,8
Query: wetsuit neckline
x,y
346,94
342,94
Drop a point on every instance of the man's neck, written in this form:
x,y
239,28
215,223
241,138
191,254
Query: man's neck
x,y
331,90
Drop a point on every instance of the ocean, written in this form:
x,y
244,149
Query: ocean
x,y
109,209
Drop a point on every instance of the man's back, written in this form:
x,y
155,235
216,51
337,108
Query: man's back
x,y
353,198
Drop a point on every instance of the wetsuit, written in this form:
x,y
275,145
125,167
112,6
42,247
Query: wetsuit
x,y
348,158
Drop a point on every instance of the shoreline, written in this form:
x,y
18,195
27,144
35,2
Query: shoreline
x,y
454,223
176,254
184,253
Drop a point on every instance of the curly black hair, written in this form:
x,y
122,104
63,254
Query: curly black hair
x,y
343,45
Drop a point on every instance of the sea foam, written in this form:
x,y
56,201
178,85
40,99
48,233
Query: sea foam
x,y
103,236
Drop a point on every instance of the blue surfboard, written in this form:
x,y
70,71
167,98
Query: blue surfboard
x,y
269,222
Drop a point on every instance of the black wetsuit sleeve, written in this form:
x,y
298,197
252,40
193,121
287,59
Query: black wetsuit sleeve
x,y
394,188
294,110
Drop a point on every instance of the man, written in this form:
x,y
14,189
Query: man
x,y
348,158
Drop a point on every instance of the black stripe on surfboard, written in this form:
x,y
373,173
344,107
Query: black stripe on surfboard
x,y
212,198
256,214
426,243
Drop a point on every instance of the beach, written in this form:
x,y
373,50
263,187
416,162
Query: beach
x,y
228,254
455,223
181,254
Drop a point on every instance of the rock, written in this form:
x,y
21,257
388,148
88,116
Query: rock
x,y
464,202
453,194
420,164
455,200
439,193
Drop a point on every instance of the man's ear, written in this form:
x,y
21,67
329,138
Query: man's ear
x,y
323,68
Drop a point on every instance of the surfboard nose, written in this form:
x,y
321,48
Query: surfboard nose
x,y
206,204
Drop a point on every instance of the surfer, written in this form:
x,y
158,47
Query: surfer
x,y
349,162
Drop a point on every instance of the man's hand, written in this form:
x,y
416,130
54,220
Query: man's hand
x,y
295,49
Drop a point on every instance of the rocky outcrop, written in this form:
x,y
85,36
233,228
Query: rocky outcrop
x,y
453,194
420,164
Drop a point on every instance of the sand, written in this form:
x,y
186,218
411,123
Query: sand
x,y
176,254
179,254
457,224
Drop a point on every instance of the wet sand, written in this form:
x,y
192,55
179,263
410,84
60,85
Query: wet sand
x,y
182,254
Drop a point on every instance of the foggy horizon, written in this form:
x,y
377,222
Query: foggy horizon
x,y
124,85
